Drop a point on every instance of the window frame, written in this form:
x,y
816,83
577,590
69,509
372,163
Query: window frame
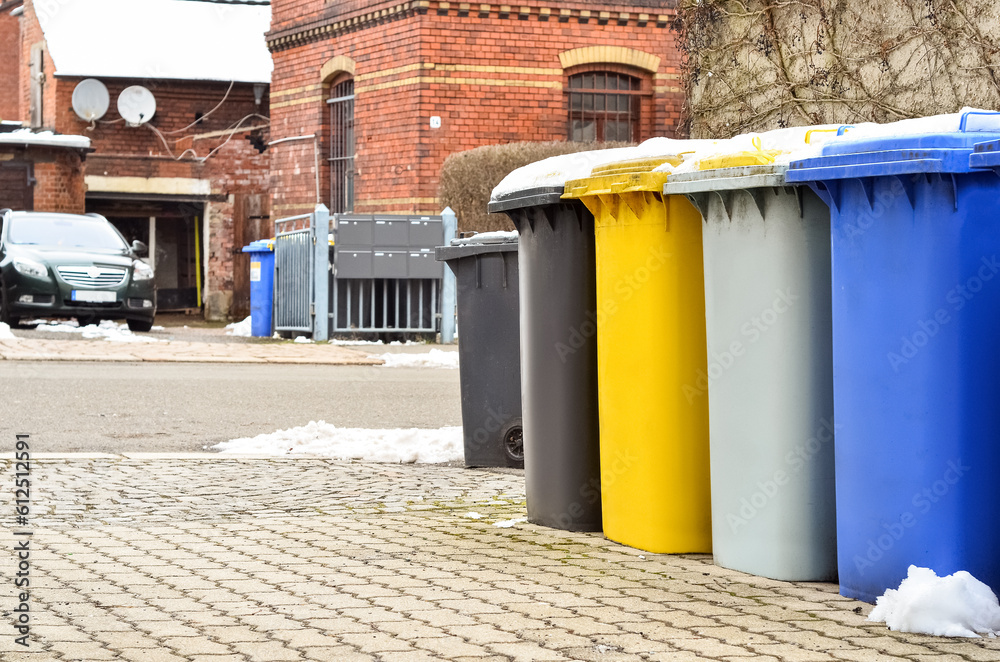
x,y
639,94
342,135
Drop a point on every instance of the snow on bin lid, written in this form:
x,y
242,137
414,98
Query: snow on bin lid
x,y
477,244
942,143
486,238
751,160
555,171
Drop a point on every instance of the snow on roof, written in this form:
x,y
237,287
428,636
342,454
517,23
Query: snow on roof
x,y
44,138
158,39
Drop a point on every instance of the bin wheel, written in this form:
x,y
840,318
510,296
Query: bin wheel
x,y
513,442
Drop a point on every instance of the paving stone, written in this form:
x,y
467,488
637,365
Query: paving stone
x,y
210,558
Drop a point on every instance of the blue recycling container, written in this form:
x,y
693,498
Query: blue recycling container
x,y
261,286
916,353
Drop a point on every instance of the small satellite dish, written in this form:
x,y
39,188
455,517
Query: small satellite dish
x,y
90,100
136,105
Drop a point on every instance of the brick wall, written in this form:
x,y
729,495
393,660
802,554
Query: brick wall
x,y
60,185
493,74
10,58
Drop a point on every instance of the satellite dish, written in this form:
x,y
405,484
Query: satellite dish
x,y
90,100
136,105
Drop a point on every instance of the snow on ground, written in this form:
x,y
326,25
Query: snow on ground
x,y
436,358
240,329
508,523
408,446
107,330
302,340
957,605
344,341
6,333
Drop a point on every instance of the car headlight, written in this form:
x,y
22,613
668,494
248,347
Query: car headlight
x,y
141,270
31,268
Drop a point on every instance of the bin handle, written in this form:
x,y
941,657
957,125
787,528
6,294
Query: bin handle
x,y
963,124
844,129
810,133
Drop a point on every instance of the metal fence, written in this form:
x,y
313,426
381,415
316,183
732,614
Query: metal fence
x,y
293,271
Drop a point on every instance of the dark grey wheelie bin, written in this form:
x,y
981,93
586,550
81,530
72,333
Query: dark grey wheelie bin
x,y
558,357
485,268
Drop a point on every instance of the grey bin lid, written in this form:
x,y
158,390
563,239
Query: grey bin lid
x,y
477,244
529,197
727,179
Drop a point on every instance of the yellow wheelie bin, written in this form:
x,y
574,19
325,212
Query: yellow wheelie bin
x,y
651,356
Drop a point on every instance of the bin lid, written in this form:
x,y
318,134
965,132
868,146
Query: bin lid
x,y
477,244
623,177
889,154
260,246
532,197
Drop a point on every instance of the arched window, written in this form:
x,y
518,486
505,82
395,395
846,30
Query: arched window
x,y
604,106
342,145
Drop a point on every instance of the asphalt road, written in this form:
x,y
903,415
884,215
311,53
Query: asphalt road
x,y
151,407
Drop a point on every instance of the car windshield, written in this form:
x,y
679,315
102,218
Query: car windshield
x,y
64,232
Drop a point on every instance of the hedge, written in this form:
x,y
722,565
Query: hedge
x,y
468,178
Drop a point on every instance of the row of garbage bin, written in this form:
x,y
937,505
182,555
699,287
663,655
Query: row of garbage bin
x,y
788,361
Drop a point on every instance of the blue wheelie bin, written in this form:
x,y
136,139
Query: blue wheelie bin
x,y
916,359
261,286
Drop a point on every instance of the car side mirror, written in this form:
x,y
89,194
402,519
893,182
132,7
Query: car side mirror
x,y
139,248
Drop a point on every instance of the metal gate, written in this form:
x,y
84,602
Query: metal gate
x,y
293,274
382,305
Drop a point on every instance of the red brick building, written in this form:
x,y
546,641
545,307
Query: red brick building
x,y
380,93
192,180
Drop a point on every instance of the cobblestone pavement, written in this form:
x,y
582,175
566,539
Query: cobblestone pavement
x,y
37,349
199,558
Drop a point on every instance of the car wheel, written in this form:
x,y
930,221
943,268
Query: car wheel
x,y
140,325
5,315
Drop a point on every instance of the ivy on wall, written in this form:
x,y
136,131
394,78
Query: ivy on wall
x,y
764,64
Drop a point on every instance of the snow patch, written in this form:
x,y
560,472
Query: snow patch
x,y
436,358
44,138
6,333
302,340
240,329
473,515
397,446
107,330
508,523
957,605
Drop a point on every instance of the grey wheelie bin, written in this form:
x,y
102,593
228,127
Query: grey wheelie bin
x,y
559,320
485,268
770,369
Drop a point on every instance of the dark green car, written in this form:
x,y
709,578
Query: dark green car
x,y
72,265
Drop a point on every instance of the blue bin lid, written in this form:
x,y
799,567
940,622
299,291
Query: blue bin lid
x,y
901,154
260,246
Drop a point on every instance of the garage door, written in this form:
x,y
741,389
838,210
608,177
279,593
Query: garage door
x,y
15,186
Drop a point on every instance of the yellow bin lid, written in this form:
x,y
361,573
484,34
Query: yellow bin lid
x,y
623,177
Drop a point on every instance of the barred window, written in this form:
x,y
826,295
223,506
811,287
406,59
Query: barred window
x,y
604,106
342,147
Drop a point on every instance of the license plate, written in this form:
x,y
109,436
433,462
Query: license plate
x,y
93,296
